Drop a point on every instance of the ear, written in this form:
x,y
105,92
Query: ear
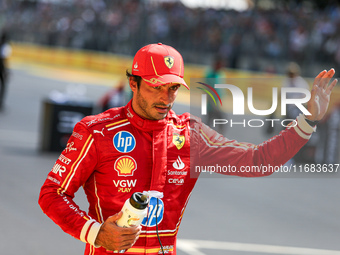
x,y
133,84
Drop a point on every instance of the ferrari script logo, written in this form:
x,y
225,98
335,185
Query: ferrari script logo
x,y
169,61
178,140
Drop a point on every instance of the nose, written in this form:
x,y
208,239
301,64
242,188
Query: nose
x,y
166,96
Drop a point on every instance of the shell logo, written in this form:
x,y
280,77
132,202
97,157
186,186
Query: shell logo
x,y
125,166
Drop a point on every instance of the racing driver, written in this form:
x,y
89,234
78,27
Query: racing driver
x,y
145,146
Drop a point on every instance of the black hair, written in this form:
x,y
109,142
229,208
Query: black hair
x,y
136,78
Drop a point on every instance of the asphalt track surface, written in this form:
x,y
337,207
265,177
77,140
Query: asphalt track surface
x,y
238,216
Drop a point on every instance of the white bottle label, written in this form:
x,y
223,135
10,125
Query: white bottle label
x,y
131,216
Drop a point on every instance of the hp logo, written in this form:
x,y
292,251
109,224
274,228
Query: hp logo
x,y
124,142
150,219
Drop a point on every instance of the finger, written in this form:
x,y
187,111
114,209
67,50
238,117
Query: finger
x,y
115,217
318,77
138,228
126,245
330,87
119,215
130,231
133,229
131,240
121,243
128,240
313,91
326,78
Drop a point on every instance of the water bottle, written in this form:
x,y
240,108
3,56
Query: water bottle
x,y
134,210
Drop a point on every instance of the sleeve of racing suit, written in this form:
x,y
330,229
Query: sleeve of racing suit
x,y
71,170
214,149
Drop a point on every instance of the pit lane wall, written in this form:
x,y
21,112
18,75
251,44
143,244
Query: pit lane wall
x,y
117,64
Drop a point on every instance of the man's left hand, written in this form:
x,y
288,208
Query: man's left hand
x,y
320,95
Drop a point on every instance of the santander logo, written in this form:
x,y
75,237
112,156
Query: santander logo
x,y
178,164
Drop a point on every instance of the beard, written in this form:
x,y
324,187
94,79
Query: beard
x,y
149,111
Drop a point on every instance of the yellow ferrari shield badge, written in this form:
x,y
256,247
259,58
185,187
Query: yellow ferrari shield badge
x,y
169,61
178,140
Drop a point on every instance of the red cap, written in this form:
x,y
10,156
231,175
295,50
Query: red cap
x,y
159,64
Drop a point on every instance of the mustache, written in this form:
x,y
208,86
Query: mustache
x,y
162,105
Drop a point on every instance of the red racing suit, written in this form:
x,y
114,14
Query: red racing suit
x,y
117,153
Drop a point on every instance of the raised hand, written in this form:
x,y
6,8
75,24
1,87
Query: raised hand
x,y
320,95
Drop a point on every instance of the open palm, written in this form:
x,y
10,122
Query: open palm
x,y
320,95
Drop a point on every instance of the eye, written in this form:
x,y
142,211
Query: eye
x,y
157,87
175,87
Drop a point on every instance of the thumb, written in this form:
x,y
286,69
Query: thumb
x,y
115,217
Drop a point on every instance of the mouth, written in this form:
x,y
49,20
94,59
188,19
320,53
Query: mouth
x,y
162,109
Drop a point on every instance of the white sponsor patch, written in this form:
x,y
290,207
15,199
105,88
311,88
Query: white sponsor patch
x,y
178,164
58,169
64,159
125,185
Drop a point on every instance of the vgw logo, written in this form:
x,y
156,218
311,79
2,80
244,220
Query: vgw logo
x,y
150,219
238,99
124,141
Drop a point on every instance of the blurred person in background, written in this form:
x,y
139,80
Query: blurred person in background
x,y
146,146
215,75
298,40
293,79
115,97
5,52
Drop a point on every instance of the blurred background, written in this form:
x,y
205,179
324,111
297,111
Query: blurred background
x,y
258,35
63,59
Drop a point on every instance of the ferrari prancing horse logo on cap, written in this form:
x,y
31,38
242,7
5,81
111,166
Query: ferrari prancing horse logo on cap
x,y
169,61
